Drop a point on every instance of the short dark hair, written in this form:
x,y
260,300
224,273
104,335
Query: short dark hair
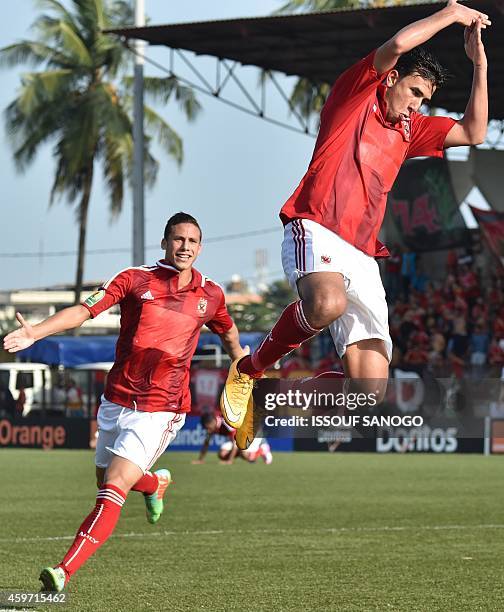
x,y
420,61
180,217
207,418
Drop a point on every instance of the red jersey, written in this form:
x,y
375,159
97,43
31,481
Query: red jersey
x,y
221,429
357,157
160,326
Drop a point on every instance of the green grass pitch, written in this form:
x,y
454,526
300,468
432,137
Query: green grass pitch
x,y
310,532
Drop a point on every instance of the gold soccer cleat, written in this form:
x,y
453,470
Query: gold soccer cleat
x,y
246,433
235,396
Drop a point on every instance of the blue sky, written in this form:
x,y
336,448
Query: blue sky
x,y
238,171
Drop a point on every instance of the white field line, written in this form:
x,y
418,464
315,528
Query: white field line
x,y
315,530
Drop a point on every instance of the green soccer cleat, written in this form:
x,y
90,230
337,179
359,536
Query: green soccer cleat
x,y
154,503
53,579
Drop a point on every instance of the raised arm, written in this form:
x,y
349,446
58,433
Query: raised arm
x,y
421,31
26,335
472,128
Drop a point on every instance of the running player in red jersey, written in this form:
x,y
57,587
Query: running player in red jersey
x,y
163,308
369,126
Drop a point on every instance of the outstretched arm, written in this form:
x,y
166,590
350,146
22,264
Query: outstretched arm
x,y
423,30
231,343
26,335
472,128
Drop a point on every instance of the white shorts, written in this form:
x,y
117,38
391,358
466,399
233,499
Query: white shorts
x,y
141,437
310,247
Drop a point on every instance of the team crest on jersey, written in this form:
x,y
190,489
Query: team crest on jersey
x,y
325,259
94,298
202,306
406,129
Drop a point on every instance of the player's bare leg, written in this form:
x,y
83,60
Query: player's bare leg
x,y
323,300
366,363
153,485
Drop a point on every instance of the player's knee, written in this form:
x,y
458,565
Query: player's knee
x,y
323,309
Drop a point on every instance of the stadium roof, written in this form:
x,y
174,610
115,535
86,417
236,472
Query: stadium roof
x,y
319,46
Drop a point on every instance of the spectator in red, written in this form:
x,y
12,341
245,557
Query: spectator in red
x,y
498,324
416,357
451,262
496,356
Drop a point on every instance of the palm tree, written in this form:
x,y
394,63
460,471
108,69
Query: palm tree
x,y
81,102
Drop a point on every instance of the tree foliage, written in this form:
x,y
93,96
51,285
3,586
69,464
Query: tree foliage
x,y
262,316
79,100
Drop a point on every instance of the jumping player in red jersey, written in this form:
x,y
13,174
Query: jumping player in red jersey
x,y
369,126
163,308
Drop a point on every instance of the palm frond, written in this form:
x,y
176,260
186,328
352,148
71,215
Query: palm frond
x,y
166,136
309,6
115,165
77,146
308,97
73,43
162,89
121,13
56,7
28,133
33,53
90,17
151,166
42,88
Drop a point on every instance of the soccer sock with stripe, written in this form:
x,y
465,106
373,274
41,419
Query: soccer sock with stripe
x,y
148,484
95,529
289,332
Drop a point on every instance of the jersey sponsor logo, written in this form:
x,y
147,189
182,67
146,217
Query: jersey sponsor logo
x,y
202,306
147,296
325,259
94,298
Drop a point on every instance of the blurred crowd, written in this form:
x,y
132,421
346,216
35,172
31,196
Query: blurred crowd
x,y
450,327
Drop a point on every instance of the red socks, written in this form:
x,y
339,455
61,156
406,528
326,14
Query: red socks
x,y
148,484
95,529
291,330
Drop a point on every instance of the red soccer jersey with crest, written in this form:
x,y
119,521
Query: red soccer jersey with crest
x,y
160,326
357,157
